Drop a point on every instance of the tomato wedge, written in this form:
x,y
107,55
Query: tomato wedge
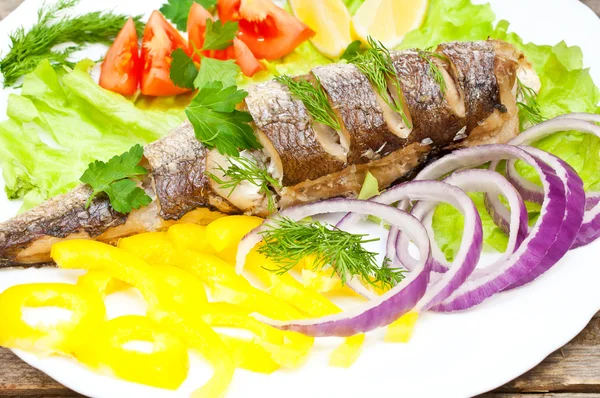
x,y
196,28
239,51
120,71
268,30
160,40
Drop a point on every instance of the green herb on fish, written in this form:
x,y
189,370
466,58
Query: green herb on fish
x,y
114,178
529,109
177,11
219,35
376,63
29,48
434,69
287,242
314,98
217,123
243,169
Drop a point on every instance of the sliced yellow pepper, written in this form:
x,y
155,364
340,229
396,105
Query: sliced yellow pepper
x,y
63,337
165,366
185,288
401,330
307,300
250,355
225,234
190,237
199,336
90,255
219,276
101,282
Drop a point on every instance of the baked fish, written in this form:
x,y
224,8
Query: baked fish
x,y
471,101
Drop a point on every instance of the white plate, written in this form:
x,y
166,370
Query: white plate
x,y
450,355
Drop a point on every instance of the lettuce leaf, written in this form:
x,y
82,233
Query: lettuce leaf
x,y
566,87
60,123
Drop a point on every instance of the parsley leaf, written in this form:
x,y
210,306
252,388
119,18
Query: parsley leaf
x,y
217,123
183,70
113,178
219,36
177,11
212,70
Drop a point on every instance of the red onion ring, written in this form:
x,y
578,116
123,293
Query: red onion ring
x,y
378,312
581,122
534,247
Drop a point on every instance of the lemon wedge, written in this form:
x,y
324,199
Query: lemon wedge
x,y
388,20
330,20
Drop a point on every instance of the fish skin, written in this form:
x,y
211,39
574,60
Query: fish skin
x,y
180,190
432,115
58,217
287,125
352,97
473,65
178,169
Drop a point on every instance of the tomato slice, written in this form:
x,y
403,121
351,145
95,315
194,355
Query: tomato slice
x,y
196,28
269,31
239,51
120,71
245,59
160,40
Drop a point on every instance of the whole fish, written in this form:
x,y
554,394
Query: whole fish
x,y
464,96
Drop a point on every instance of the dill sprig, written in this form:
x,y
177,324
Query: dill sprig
x,y
434,70
376,63
242,169
314,98
288,241
529,108
29,48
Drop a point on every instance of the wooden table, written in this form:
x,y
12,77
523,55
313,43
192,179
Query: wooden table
x,y
571,372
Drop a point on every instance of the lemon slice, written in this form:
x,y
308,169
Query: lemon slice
x,y
388,20
330,20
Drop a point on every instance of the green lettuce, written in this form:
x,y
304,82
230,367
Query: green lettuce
x,y
60,123
566,87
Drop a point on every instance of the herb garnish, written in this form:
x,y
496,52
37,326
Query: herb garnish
x,y
219,35
314,98
529,108
287,242
50,30
177,11
183,70
434,69
244,169
114,178
376,63
217,123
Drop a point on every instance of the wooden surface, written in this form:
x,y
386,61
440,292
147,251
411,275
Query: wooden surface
x,y
571,372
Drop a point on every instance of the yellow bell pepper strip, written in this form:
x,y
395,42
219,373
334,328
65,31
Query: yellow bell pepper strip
x,y
101,282
63,337
307,300
250,355
185,288
401,330
201,216
179,320
165,366
219,276
190,237
227,232
199,336
348,352
90,255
